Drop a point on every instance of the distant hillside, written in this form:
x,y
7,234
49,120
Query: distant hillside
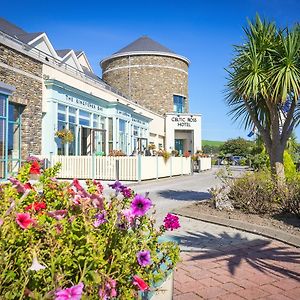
x,y
212,143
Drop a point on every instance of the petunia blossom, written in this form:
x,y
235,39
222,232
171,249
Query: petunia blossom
x,y
24,220
140,205
18,185
117,186
72,293
100,219
35,168
36,266
143,258
58,214
171,222
108,290
127,192
37,206
1,222
79,188
140,283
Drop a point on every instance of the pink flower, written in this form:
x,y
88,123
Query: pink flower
x,y
1,222
24,220
129,216
72,293
79,188
58,214
140,205
140,283
109,290
171,222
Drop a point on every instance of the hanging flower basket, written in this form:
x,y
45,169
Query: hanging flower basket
x,y
65,135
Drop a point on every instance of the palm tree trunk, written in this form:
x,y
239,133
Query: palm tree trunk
x,y
276,163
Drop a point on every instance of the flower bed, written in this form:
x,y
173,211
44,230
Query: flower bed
x,y
60,240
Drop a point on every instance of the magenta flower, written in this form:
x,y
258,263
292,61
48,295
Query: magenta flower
x,y
143,258
72,293
109,290
140,205
18,185
171,222
126,192
24,220
58,214
100,219
140,283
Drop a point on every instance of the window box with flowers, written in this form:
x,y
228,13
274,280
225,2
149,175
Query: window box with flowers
x,y
60,240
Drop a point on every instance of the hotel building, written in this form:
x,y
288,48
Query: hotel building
x,y
141,99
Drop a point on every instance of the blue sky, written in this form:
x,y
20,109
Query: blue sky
x,y
203,31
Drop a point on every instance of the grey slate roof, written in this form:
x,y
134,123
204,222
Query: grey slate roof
x,y
144,44
17,32
9,28
62,53
27,37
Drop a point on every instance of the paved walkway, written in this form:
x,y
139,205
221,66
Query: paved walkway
x,y
220,262
224,263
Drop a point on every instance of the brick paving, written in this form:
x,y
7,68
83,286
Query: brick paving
x,y
229,264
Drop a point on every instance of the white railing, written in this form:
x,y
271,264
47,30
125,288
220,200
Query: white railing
x,y
204,163
133,168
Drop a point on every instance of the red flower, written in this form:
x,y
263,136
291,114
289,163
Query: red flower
x,y
28,186
24,220
37,206
35,168
140,283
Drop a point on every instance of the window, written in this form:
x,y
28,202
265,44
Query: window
x,y
179,104
14,137
122,136
3,141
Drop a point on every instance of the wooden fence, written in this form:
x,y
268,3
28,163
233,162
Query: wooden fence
x,y
132,168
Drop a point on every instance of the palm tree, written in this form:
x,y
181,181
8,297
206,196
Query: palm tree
x,y
264,77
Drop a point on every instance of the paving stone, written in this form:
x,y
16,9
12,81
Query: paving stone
x,y
253,293
293,293
187,296
211,292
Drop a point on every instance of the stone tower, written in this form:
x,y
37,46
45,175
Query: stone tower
x,y
149,74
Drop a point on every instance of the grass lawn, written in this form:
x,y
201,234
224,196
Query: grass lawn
x,y
212,143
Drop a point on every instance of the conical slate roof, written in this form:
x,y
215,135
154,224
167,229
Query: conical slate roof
x,y
146,44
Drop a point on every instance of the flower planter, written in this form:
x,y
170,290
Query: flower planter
x,y
162,290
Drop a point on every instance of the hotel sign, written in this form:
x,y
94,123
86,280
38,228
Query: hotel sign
x,y
83,103
184,121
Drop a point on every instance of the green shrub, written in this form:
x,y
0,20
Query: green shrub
x,y
289,166
255,193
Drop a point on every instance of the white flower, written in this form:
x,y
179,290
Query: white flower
x,y
109,193
36,266
120,197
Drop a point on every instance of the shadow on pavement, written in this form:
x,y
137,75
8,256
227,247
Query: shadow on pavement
x,y
258,253
184,195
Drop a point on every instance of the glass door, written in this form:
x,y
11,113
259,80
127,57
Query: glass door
x,y
86,139
179,146
99,141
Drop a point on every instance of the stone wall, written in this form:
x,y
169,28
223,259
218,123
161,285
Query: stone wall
x,y
25,74
149,80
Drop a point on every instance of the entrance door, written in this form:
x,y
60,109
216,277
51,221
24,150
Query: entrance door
x,y
86,140
99,141
179,145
